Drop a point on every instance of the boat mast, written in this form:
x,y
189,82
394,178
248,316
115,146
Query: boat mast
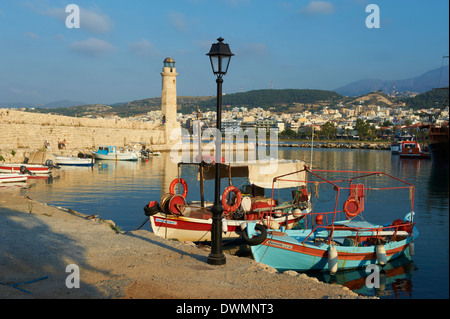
x,y
200,165
312,145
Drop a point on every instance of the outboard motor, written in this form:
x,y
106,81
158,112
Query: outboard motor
x,y
49,163
24,170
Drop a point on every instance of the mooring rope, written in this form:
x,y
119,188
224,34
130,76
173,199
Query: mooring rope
x,y
14,285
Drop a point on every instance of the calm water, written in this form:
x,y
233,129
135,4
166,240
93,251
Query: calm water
x,y
119,191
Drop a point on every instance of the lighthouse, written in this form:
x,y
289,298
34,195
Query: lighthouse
x,y
169,93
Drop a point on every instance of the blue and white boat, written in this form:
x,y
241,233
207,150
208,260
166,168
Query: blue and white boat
x,y
112,153
328,243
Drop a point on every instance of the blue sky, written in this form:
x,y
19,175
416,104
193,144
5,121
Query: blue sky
x,y
117,53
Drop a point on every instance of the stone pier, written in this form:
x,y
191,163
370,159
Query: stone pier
x,y
22,133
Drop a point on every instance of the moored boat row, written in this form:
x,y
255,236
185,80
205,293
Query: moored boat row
x,y
293,235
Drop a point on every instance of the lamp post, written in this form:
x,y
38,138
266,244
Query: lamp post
x,y
220,56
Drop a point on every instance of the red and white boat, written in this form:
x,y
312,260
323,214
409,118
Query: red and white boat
x,y
19,168
174,218
13,178
411,149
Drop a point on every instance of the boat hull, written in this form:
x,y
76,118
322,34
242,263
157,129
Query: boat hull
x,y
439,153
117,157
74,161
197,229
33,168
283,252
13,178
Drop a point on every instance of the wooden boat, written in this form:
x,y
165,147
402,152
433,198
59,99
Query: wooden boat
x,y
13,178
23,168
74,161
174,218
330,243
111,153
438,143
411,149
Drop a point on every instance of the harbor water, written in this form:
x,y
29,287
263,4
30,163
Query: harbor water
x,y
119,190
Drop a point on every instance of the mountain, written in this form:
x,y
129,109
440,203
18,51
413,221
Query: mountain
x,y
267,98
63,103
278,100
420,84
51,105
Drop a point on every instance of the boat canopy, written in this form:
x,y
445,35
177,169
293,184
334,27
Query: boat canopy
x,y
263,173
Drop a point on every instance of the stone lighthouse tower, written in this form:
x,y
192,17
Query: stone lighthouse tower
x,y
169,97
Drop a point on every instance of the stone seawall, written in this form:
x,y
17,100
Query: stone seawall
x,y
22,133
350,145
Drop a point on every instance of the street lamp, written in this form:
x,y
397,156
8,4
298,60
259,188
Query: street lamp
x,y
220,56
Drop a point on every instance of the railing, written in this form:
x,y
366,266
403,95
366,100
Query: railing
x,y
337,188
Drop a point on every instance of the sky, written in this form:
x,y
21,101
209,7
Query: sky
x,y
117,53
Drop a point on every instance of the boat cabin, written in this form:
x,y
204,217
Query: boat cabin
x,y
105,150
410,149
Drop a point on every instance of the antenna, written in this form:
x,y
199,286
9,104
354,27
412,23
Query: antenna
x,y
440,72
271,85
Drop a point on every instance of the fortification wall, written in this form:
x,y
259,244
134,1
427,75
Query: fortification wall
x,y
22,133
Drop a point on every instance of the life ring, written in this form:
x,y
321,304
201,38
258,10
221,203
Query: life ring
x,y
174,183
237,193
258,239
352,208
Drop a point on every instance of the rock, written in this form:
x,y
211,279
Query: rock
x,y
290,273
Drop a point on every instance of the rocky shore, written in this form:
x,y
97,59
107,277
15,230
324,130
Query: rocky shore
x,y
347,145
39,241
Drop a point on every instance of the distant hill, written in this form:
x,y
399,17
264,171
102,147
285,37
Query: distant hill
x,y
56,104
63,103
437,98
276,99
280,100
76,111
286,101
420,84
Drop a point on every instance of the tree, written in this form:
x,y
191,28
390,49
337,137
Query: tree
x,y
362,128
387,123
288,134
328,130
365,130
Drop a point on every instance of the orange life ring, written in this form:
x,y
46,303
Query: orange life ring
x,y
236,205
354,209
174,183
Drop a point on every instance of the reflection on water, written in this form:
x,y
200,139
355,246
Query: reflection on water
x,y
395,280
120,190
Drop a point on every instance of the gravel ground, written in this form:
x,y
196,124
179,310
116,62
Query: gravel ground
x,y
40,241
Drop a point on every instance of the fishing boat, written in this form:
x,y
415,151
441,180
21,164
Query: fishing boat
x,y
340,239
112,153
13,178
175,218
74,161
411,149
397,141
26,168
